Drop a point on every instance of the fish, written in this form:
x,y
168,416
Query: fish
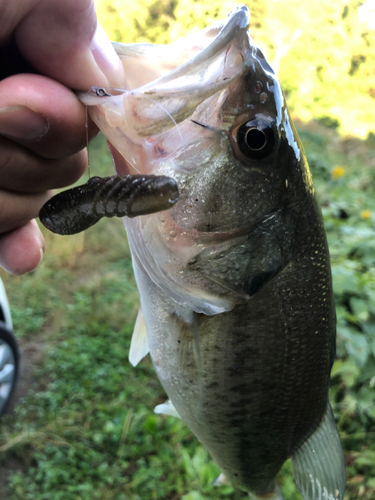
x,y
237,308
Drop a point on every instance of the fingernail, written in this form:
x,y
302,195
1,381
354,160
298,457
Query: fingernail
x,y
106,58
41,250
20,122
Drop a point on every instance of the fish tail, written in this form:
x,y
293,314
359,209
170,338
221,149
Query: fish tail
x,y
318,465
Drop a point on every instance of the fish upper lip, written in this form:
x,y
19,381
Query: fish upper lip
x,y
238,20
208,66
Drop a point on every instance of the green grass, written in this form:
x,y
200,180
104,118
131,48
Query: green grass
x,y
87,430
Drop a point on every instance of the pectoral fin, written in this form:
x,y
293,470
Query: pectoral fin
x,y
318,465
139,345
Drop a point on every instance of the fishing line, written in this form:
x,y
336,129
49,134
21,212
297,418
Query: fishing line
x,y
173,120
106,94
171,117
87,138
100,92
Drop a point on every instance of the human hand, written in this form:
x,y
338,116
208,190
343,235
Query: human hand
x,y
42,123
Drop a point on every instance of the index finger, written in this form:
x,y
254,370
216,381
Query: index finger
x,y
62,40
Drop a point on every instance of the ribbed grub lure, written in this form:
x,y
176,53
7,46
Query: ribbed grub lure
x,y
76,209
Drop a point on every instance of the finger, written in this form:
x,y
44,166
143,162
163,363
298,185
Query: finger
x,y
25,172
11,60
22,250
61,39
17,209
44,116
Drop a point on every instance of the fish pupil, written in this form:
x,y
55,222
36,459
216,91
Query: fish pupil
x,y
256,141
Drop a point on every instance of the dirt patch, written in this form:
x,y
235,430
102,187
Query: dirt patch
x,y
32,354
12,465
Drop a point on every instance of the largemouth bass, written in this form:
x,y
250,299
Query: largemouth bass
x,y
237,308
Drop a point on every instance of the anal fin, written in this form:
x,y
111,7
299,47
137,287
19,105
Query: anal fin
x,y
139,344
318,465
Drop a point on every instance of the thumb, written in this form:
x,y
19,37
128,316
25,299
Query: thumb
x,y
62,40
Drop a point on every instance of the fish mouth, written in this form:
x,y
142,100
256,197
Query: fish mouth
x,y
152,118
200,49
164,84
185,57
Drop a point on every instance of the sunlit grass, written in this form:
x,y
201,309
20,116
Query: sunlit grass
x,y
322,51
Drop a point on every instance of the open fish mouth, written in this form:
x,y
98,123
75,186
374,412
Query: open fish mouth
x,y
151,68
163,86
147,120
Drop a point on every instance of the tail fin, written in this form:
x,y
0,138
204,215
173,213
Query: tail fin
x,y
318,465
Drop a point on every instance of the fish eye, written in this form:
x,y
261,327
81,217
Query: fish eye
x,y
256,139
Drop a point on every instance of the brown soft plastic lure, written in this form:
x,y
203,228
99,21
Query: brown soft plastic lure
x,y
76,209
